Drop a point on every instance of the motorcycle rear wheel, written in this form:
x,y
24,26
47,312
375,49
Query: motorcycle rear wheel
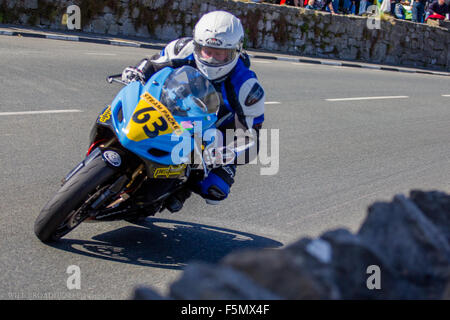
x,y
60,215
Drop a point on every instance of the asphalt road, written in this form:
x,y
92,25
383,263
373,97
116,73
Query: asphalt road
x,y
336,157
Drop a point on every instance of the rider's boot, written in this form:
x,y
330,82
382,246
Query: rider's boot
x,y
175,202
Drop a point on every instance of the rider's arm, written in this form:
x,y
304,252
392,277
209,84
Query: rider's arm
x,y
249,116
173,55
246,142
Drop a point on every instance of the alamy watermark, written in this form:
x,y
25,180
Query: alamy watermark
x,y
216,148
374,280
73,284
374,19
72,18
74,279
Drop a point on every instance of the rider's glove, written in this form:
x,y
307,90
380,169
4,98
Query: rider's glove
x,y
130,74
216,186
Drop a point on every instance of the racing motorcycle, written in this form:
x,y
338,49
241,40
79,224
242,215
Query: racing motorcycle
x,y
134,163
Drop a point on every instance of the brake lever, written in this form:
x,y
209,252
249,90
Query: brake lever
x,y
113,78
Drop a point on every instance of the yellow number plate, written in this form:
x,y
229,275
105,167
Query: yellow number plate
x,y
151,119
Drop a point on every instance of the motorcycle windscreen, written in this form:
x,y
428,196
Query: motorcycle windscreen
x,y
188,93
185,93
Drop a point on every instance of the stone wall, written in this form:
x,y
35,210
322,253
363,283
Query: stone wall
x,y
267,26
401,251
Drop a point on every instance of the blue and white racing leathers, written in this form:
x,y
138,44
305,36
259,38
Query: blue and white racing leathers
x,y
242,107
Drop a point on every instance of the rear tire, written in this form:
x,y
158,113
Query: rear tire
x,y
70,197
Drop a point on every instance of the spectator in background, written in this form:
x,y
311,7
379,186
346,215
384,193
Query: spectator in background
x,y
418,10
333,7
349,6
320,5
393,3
344,6
354,9
399,11
427,5
402,10
294,3
438,10
364,4
314,5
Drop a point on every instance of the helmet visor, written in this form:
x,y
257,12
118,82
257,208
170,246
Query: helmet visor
x,y
214,57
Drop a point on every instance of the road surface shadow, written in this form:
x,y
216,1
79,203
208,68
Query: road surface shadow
x,y
164,243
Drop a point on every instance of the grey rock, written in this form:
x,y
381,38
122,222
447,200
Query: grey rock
x,y
107,9
210,282
391,60
125,17
435,205
113,29
99,26
352,259
127,29
187,19
44,21
287,273
23,18
167,32
109,18
146,293
135,13
31,4
87,27
143,32
446,295
405,245
412,246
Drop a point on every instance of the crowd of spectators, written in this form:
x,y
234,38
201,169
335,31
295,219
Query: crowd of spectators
x,y
414,10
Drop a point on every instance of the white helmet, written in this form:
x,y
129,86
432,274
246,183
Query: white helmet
x,y
218,39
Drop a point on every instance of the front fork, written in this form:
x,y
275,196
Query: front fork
x,y
94,151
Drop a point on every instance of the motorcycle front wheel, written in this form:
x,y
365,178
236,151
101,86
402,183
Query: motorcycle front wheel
x,y
64,212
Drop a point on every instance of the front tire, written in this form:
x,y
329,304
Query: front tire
x,y
50,224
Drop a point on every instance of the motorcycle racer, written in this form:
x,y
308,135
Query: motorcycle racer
x,y
216,50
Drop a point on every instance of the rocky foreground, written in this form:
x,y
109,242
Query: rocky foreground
x,y
401,251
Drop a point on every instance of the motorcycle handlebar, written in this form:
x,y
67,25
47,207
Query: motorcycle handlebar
x,y
113,78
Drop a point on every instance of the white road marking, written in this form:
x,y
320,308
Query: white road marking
x,y
261,61
38,112
316,65
371,67
307,64
100,54
124,43
272,102
330,63
446,95
60,37
335,65
286,59
368,98
20,52
407,71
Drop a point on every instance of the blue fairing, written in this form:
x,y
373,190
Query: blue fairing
x,y
127,100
